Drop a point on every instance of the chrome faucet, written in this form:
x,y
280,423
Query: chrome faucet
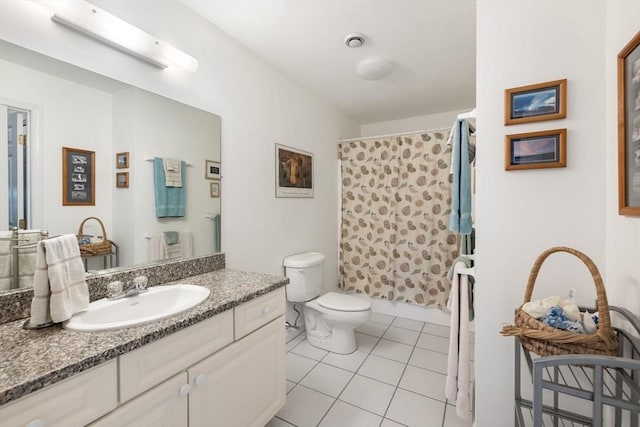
x,y
116,290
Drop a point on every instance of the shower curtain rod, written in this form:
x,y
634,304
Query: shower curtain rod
x,y
392,134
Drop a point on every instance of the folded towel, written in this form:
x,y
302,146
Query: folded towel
x,y
172,172
59,286
171,237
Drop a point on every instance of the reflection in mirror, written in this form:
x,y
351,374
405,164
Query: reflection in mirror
x,y
47,105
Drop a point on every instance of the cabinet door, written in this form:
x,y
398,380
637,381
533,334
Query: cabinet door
x,y
242,385
73,402
162,406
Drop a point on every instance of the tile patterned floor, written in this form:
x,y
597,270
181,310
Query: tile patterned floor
x,y
396,378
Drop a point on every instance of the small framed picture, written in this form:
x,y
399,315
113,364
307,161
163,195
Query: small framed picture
x,y
122,160
536,150
536,103
629,128
211,169
215,189
122,180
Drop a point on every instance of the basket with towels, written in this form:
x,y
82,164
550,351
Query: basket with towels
x,y
556,333
90,247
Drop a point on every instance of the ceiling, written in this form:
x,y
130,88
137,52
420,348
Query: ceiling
x,y
430,42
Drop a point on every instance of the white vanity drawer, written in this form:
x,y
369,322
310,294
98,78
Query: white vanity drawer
x,y
73,402
153,363
260,311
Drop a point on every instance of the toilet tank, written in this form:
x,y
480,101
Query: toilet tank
x,y
305,275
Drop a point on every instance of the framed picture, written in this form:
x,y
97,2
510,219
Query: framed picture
x,y
536,150
535,103
211,169
215,189
122,160
294,172
629,128
122,180
78,177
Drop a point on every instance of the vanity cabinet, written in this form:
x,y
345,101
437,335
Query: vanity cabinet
x,y
75,401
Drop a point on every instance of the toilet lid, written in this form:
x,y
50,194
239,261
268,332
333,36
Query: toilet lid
x,y
343,302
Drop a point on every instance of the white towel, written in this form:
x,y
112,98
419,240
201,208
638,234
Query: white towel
x,y
172,172
182,249
457,386
59,288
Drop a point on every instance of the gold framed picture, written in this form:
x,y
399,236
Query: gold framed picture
x,y
536,103
122,160
536,150
215,189
122,180
78,177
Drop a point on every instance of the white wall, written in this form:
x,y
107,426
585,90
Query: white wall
x,y
411,124
69,115
521,213
258,106
623,233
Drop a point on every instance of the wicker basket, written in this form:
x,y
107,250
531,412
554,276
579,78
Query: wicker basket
x,y
545,340
99,248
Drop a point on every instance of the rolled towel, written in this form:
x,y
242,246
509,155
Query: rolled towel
x,y
571,310
536,309
588,323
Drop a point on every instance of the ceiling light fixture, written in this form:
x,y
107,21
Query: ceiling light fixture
x,y
100,25
354,39
374,68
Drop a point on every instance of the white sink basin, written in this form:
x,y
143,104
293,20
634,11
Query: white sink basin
x,y
157,303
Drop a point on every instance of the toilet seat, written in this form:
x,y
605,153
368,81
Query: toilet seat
x,y
343,302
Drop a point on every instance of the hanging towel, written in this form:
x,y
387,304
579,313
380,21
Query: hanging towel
x,y
460,219
457,385
161,250
59,288
170,201
217,227
172,172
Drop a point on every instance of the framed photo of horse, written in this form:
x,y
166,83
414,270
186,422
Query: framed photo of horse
x,y
294,172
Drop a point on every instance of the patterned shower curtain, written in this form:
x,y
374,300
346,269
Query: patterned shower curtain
x,y
396,198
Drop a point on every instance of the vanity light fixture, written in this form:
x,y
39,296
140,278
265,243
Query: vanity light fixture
x,y
100,25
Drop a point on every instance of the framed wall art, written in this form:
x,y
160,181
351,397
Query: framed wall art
x,y
78,177
122,160
629,128
215,189
294,172
535,103
122,180
211,169
536,150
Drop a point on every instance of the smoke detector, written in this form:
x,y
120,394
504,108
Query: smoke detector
x,y
354,39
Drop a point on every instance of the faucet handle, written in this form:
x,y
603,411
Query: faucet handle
x,y
114,289
140,283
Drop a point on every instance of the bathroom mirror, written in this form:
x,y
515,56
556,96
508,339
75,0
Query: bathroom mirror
x,y
54,105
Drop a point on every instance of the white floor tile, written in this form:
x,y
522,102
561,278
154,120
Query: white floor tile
x,y
342,414
305,407
428,359
298,367
294,342
385,319
381,369
405,336
368,394
372,328
350,362
421,381
327,379
292,333
388,423
393,350
414,325
290,385
365,342
439,330
414,410
307,350
434,343
451,418
277,422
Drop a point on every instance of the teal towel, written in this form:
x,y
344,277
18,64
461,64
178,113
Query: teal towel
x,y
217,227
170,201
460,219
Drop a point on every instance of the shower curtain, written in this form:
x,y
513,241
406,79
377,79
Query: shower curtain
x,y
396,198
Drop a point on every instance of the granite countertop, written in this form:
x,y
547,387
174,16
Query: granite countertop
x,y
31,360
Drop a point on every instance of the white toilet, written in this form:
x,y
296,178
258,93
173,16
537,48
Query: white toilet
x,y
331,318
